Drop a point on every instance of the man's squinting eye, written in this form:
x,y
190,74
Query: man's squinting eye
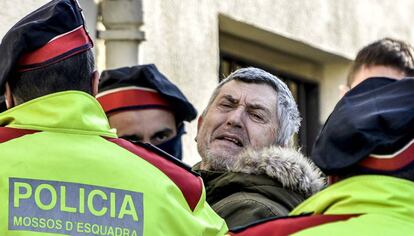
x,y
258,116
226,104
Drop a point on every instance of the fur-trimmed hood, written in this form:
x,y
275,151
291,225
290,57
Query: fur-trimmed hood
x,y
287,165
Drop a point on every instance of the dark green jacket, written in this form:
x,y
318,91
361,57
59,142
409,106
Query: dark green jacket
x,y
261,184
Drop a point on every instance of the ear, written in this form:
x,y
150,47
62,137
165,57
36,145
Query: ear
x,y
199,123
95,82
8,96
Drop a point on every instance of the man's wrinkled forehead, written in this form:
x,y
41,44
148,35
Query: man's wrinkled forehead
x,y
255,94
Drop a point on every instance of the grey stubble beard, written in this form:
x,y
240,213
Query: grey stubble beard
x,y
213,162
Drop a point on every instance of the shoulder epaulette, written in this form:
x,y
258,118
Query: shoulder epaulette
x,y
7,134
187,181
287,225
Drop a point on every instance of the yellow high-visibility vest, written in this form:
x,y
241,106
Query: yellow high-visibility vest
x,y
63,171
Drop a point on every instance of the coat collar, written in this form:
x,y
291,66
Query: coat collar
x,y
69,111
286,166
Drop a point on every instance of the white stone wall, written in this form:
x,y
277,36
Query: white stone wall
x,y
13,10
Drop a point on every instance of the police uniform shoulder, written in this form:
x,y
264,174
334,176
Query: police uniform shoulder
x,y
189,183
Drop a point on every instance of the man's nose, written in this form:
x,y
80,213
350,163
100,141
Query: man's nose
x,y
235,117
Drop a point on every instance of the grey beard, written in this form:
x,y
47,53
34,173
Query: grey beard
x,y
213,162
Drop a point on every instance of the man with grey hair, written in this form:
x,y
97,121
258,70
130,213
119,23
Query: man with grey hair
x,y
244,137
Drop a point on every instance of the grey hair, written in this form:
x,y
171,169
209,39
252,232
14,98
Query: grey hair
x,y
286,109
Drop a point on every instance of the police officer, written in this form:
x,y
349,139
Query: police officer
x,y
63,171
144,106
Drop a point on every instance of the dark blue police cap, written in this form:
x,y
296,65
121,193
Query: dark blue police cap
x,y
371,127
141,87
50,34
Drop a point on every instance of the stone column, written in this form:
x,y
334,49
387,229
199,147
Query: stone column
x,y
122,20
